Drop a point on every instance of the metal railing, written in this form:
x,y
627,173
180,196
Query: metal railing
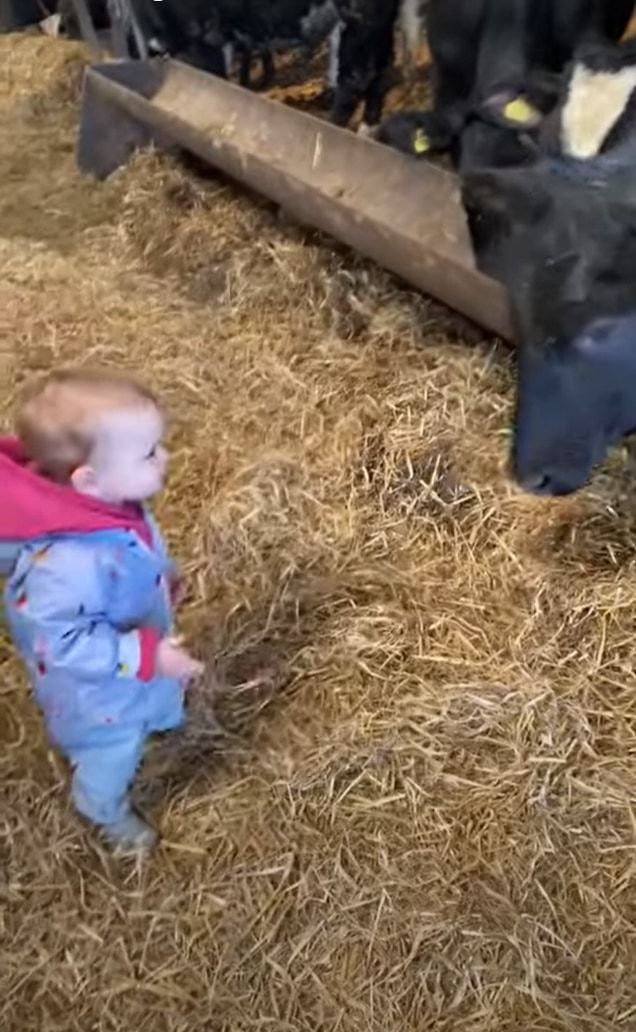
x,y
124,24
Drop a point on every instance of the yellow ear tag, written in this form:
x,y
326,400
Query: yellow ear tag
x,y
518,110
420,141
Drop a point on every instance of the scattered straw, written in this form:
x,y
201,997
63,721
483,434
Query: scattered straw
x,y
406,797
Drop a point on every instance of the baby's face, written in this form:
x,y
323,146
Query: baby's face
x,y
129,461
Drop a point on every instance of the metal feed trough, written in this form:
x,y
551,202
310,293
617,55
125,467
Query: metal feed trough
x,y
406,215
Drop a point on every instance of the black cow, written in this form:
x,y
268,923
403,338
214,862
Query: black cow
x,y
253,29
208,33
496,73
365,57
200,30
561,235
179,29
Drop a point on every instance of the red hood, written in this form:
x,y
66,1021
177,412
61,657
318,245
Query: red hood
x,y
32,506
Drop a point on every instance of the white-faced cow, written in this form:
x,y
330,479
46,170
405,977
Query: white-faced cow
x,y
496,73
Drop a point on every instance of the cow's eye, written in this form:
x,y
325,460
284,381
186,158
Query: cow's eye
x,y
597,337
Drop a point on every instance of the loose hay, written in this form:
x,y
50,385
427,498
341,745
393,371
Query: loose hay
x,y
410,803
36,73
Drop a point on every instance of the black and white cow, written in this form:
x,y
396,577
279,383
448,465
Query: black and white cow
x,y
201,31
496,73
561,235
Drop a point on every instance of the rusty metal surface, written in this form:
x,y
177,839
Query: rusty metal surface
x,y
405,215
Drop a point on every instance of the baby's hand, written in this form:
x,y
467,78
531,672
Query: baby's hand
x,y
173,661
178,590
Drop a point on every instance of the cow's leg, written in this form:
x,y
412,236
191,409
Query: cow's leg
x,y
383,54
411,31
245,66
334,57
364,57
351,75
326,98
502,63
453,28
268,71
228,59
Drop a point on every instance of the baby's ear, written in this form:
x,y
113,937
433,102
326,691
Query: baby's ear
x,y
84,480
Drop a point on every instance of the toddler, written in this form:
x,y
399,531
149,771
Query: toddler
x,y
88,595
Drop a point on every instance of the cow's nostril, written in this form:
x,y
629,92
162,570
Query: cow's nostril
x,y
537,483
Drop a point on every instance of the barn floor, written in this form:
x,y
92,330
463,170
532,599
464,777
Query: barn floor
x,y
407,800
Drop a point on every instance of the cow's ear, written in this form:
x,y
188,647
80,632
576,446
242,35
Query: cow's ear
x,y
516,196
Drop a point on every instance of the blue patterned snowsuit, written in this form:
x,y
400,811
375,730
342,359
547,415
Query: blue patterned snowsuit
x,y
86,611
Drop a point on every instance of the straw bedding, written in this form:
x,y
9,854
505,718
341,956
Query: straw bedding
x,y
406,799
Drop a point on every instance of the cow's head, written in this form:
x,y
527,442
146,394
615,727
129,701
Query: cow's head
x,y
566,250
502,131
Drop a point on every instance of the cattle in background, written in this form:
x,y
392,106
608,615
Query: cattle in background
x,y
201,31
179,30
365,58
250,29
561,235
496,74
